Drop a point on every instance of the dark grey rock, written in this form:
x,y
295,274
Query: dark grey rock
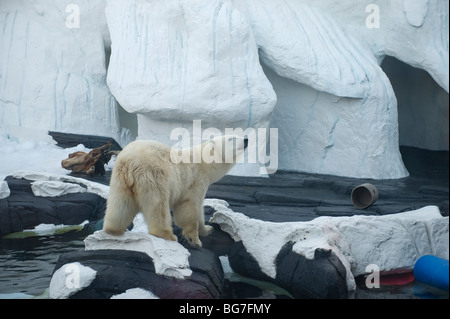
x,y
242,262
66,140
323,277
120,270
22,210
443,207
320,278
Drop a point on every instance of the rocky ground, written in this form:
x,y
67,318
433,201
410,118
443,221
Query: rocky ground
x,y
290,196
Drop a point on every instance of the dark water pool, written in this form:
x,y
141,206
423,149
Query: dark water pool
x,y
26,266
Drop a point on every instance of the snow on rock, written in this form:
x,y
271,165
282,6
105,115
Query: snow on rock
x,y
54,70
127,273
392,242
48,229
69,279
51,185
264,240
4,190
135,293
170,258
32,202
55,188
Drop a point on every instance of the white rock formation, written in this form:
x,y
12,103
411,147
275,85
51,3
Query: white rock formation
x,y
174,60
392,242
328,46
336,109
53,70
323,133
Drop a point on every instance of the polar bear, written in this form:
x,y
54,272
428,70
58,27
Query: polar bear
x,y
148,178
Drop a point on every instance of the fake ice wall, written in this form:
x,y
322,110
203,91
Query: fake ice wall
x,y
183,61
52,68
336,110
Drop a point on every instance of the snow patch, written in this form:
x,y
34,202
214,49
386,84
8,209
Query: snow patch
x,y
69,279
47,184
4,190
135,293
170,258
55,188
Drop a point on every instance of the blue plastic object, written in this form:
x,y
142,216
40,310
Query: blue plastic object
x,y
433,271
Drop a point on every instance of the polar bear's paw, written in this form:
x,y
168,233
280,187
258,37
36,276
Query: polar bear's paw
x,y
168,235
192,241
205,230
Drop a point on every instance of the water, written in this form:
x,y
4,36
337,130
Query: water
x,y
26,264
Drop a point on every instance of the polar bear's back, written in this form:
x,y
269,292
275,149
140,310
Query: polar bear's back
x,y
145,146
145,153
142,160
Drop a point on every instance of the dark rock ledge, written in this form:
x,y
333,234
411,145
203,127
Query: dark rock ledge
x,y
120,270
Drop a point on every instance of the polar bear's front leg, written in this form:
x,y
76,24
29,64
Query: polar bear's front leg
x,y
203,230
186,216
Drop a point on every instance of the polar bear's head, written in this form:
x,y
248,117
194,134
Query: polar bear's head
x,y
228,149
220,154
